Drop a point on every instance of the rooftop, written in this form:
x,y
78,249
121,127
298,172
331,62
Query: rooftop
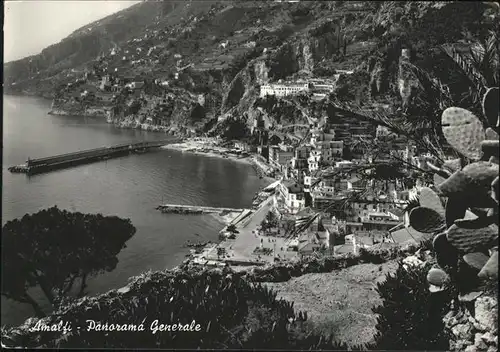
x,y
292,186
397,212
408,235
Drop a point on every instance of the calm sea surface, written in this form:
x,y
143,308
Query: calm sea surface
x,y
129,187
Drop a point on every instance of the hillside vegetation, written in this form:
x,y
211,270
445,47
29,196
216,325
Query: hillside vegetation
x,y
224,50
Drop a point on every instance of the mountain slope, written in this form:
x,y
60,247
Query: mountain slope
x,y
216,54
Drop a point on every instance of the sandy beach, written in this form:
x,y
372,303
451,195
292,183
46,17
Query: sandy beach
x,y
207,147
210,147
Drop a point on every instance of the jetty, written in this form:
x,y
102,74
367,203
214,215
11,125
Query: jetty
x,y
193,209
41,165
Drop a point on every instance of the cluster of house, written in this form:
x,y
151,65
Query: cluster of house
x,y
356,212
351,218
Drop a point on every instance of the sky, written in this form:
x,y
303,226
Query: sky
x,y
32,25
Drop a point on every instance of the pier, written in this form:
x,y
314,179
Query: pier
x,y
41,165
193,209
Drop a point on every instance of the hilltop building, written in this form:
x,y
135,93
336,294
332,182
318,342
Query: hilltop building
x,y
284,89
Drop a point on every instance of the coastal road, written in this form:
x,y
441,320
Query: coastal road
x,y
242,247
246,240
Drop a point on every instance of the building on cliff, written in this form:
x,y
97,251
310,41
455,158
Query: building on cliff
x,y
284,89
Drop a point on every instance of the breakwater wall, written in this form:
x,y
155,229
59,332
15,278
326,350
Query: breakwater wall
x,y
40,165
193,209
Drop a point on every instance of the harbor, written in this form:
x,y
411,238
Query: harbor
x,y
237,250
41,165
239,239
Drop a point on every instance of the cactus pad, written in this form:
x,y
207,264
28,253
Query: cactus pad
x,y
494,188
426,220
490,269
472,184
455,209
446,254
476,223
491,105
452,165
491,134
470,296
490,148
438,179
476,260
471,240
429,199
456,184
437,277
464,131
482,173
434,289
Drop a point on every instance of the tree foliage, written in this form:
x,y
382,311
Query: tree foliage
x,y
53,248
232,228
270,221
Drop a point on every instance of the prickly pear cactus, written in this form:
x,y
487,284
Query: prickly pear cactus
x,y
437,277
490,106
462,210
464,131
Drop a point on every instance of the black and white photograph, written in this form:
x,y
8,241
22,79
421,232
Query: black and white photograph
x,y
250,175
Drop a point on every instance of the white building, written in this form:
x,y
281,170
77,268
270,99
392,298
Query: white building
x,y
292,196
308,181
314,160
284,89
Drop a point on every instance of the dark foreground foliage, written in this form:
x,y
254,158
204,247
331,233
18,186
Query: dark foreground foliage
x,y
410,317
231,312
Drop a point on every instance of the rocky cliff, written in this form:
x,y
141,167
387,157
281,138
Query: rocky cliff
x,y
219,53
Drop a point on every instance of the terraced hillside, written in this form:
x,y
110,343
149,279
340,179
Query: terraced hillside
x,y
210,57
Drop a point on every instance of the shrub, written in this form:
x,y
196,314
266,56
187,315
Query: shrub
x,y
325,263
232,313
410,317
